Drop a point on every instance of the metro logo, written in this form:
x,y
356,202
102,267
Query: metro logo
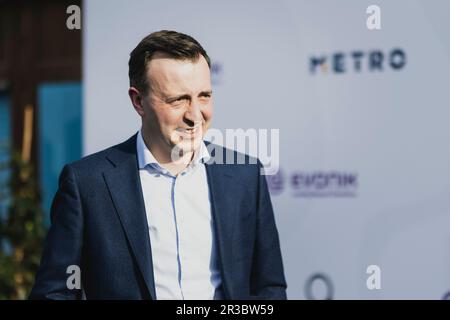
x,y
358,61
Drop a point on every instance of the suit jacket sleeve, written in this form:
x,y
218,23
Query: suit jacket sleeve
x,y
267,278
63,244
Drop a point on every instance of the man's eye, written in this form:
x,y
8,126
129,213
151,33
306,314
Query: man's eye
x,y
179,101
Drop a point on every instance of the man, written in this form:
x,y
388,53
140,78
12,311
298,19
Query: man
x,y
154,217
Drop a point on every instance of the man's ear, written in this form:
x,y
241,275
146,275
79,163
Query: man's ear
x,y
136,100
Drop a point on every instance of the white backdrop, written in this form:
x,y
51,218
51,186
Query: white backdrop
x,y
364,154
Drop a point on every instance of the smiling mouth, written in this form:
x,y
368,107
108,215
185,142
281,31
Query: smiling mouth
x,y
190,133
190,130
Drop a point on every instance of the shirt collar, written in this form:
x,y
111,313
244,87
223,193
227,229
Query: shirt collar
x,y
145,157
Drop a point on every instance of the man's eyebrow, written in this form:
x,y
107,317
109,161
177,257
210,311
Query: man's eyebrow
x,y
206,92
181,96
187,96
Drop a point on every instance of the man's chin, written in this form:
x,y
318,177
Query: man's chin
x,y
184,147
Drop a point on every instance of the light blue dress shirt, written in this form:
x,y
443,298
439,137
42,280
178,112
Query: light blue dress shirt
x,y
178,209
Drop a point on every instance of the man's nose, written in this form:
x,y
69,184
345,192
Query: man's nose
x,y
193,113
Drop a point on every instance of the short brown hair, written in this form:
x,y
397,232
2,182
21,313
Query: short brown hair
x,y
174,44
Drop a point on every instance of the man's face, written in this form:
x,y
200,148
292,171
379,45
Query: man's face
x,y
177,110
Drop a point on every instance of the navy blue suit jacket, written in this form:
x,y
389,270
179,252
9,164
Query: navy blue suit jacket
x,y
99,224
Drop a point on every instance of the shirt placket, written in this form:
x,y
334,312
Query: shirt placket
x,y
178,222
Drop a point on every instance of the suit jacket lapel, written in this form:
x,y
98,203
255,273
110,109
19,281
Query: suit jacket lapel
x,y
223,216
125,188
